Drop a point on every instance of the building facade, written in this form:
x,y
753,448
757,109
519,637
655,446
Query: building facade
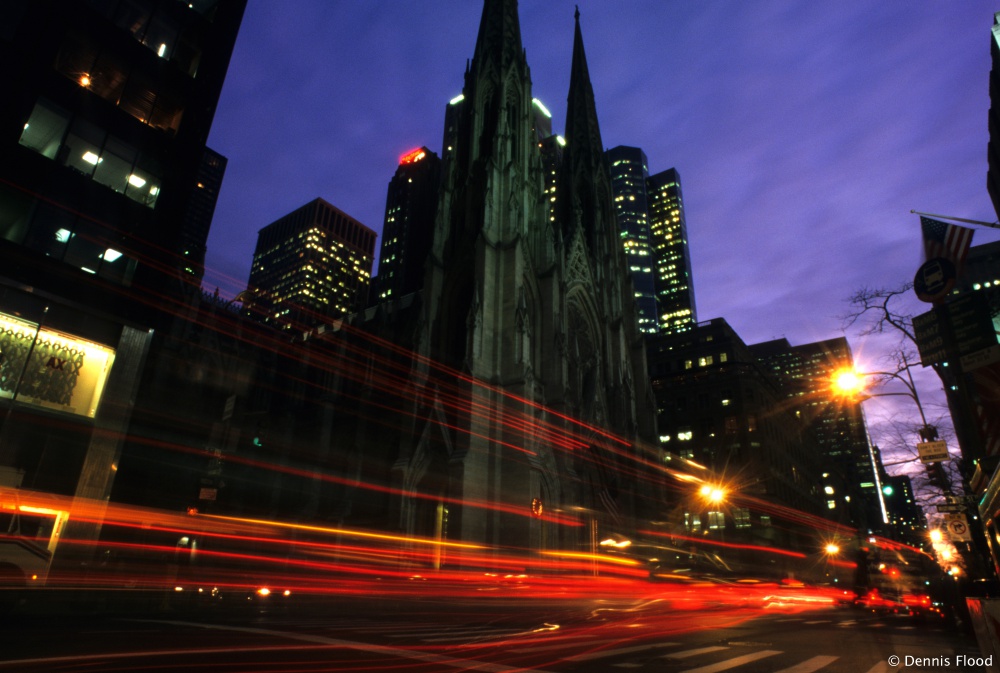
x,y
629,172
106,112
311,265
668,227
720,408
410,209
518,367
851,466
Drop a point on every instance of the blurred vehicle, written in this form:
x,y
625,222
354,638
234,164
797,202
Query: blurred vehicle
x,y
30,526
898,603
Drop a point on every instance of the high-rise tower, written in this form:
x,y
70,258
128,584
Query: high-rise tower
x,y
851,476
103,137
674,287
629,172
310,265
410,207
106,110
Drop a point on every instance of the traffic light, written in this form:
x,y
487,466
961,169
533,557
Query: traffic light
x,y
938,477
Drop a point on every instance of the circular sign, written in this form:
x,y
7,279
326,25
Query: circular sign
x,y
934,280
957,527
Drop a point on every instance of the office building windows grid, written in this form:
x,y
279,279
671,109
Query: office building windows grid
x,y
85,147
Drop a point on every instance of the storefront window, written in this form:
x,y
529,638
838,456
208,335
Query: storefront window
x,y
50,369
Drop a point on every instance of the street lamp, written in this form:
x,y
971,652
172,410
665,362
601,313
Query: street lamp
x,y
712,494
850,383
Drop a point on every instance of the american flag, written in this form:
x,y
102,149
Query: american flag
x,y
946,240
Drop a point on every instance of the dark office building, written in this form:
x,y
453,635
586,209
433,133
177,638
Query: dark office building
x,y
907,522
201,208
107,106
674,285
628,190
850,466
410,209
311,265
719,407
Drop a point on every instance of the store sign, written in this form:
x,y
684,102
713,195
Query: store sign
x,y
50,369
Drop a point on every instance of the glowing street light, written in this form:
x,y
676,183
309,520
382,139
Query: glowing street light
x,y
713,494
832,549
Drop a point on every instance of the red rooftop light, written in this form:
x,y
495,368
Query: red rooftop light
x,y
412,156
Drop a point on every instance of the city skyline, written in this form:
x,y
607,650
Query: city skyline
x,y
743,126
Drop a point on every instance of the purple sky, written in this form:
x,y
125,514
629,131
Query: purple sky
x,y
804,131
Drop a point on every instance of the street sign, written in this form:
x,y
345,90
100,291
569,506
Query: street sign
x,y
929,337
934,279
958,528
971,323
933,452
950,508
966,321
981,358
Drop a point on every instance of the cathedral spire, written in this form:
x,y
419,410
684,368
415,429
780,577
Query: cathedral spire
x,y
583,134
499,40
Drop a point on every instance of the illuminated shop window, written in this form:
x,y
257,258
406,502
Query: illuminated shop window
x,y
50,369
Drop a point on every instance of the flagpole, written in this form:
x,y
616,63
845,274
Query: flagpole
x,y
995,225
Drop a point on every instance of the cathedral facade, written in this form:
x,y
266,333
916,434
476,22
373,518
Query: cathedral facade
x,y
527,420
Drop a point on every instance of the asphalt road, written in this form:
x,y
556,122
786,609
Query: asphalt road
x,y
499,636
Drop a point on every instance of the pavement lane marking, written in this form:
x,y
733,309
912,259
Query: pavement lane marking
x,y
820,621
693,653
849,622
587,656
810,665
734,662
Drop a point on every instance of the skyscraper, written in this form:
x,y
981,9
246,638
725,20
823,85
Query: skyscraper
x,y
410,208
852,469
107,106
629,172
310,265
201,208
674,286
103,136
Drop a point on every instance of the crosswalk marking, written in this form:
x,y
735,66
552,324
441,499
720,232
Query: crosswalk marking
x,y
849,622
820,621
809,665
734,662
880,667
693,653
600,654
